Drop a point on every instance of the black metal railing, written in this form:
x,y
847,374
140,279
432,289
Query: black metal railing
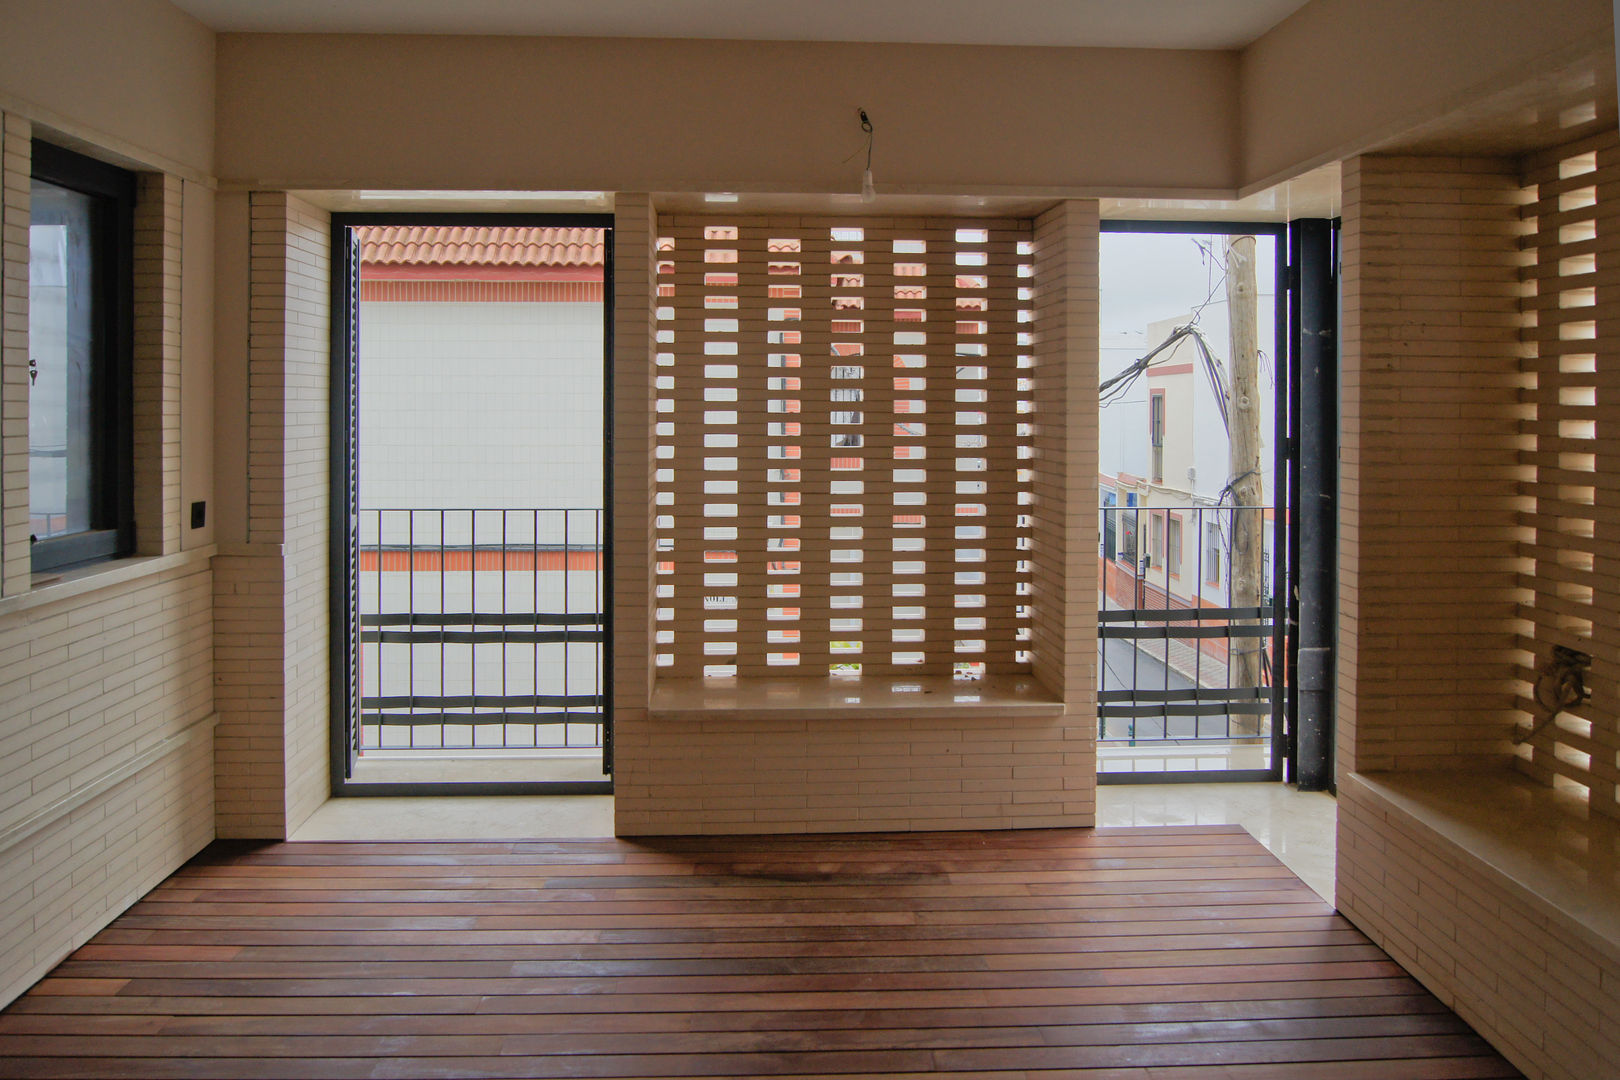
x,y
1178,661
481,629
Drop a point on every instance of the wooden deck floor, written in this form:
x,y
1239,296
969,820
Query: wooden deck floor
x,y
1149,954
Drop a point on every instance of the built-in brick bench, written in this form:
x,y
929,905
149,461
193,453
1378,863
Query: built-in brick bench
x,y
836,754
1502,896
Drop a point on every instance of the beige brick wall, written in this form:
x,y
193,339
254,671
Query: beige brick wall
x,y
69,874
1429,463
273,637
158,216
846,773
634,284
1439,579
92,688
852,774
106,680
1064,587
1542,994
1572,352
16,157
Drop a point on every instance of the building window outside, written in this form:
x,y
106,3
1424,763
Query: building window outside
x,y
1156,540
1212,555
1156,433
1173,562
81,485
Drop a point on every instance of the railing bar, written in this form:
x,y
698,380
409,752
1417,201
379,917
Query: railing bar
x,y
1162,709
515,618
410,586
1201,693
1144,556
1182,614
438,719
1198,599
567,650
504,514
1169,633
487,701
444,575
596,601
533,585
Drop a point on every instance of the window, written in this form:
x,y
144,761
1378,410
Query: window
x,y
1156,540
80,478
1174,560
1156,433
1212,555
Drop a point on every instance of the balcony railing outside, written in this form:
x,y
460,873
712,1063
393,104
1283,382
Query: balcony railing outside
x,y
481,629
1169,635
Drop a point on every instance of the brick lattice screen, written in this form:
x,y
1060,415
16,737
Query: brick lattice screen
x,y
844,428
1572,509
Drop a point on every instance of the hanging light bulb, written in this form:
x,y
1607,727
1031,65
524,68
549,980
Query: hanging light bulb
x,y
868,192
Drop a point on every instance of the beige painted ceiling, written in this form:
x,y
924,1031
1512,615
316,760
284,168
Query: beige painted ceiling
x,y
1155,24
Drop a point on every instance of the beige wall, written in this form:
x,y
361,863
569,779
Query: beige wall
x,y
106,673
106,678
629,114
271,595
1342,75
132,78
1429,465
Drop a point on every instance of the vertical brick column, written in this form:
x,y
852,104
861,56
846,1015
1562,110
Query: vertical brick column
x,y
1064,586
16,166
156,402
635,269
272,634
1429,462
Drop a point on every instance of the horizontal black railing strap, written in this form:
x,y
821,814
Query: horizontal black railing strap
x,y
1260,630
1208,614
481,618
1214,708
438,719
1197,693
482,637
482,701
426,547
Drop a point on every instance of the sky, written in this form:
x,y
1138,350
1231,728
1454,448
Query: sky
x,y
1147,277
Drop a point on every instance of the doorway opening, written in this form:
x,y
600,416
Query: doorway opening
x,y
1193,464
471,504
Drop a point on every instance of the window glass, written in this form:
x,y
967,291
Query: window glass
x,y
62,354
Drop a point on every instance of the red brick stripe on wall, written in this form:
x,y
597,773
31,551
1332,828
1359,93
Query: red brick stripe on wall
x,y
482,292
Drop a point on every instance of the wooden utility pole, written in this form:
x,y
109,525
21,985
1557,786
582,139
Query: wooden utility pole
x,y
1243,469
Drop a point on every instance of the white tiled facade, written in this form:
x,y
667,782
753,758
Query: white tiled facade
x,y
480,405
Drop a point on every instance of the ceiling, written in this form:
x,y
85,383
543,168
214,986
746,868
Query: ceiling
x,y
1154,24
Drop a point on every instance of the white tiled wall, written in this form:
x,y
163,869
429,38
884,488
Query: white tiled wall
x,y
485,406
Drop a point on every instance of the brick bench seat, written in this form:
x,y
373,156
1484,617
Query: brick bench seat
x,y
1501,895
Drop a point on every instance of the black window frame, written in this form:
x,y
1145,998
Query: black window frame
x,y
112,529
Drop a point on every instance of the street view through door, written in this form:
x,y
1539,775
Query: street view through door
x,y
471,572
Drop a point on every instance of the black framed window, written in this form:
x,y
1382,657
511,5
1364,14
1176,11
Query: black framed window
x,y
80,271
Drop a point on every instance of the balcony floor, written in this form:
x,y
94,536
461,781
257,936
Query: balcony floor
x,y
1180,953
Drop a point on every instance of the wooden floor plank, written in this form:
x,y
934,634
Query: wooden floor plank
x,y
1119,954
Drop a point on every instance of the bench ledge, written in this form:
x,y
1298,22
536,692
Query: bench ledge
x,y
833,697
1543,844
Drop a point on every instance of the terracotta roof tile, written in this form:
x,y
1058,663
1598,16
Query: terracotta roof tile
x,y
412,245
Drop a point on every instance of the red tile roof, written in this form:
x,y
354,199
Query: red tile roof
x,y
417,245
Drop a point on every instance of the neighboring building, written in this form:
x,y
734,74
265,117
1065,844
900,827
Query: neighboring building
x,y
480,368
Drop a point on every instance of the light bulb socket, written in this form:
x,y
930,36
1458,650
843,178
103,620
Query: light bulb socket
x,y
868,192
